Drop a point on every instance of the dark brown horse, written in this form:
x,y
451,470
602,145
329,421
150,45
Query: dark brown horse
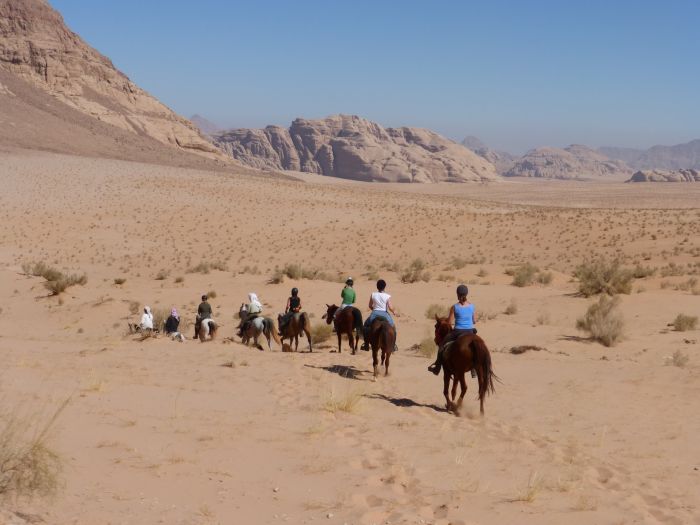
x,y
466,353
299,323
382,336
348,322
202,332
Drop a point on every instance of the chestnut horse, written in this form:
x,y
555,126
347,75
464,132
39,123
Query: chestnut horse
x,y
466,353
348,320
299,323
381,335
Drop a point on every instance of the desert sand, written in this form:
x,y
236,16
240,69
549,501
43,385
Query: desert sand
x,y
156,431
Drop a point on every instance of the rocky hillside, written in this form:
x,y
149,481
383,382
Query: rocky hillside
x,y
678,157
666,176
573,162
351,147
38,48
502,160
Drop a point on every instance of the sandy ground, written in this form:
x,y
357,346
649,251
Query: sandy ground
x,y
162,432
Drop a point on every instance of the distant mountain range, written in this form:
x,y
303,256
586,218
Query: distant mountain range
x,y
678,157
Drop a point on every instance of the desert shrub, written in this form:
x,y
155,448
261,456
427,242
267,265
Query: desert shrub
x,y
293,271
524,275
482,272
427,348
603,276
457,263
603,321
119,281
544,277
415,272
683,323
253,270
28,465
678,359
179,280
206,267
56,281
344,402
512,308
391,267
162,275
436,309
211,294
277,277
134,307
321,332
160,315
372,274
640,272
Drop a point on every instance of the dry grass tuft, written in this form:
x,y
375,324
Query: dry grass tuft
x,y
601,276
436,309
678,359
512,308
56,281
529,492
683,323
28,465
348,401
321,332
603,321
427,348
415,272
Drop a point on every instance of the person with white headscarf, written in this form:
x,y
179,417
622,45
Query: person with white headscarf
x,y
147,319
254,305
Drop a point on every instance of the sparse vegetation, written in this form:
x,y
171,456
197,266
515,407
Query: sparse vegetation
x,y
211,294
206,267
56,281
512,308
678,359
436,309
523,275
683,322
321,332
346,402
162,275
119,281
601,276
28,465
603,321
415,272
427,348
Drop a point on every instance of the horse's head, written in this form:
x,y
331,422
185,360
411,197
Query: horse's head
x,y
331,309
243,311
442,328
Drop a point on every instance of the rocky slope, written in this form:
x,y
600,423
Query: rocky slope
x,y
666,176
207,127
351,147
37,47
678,157
573,162
502,160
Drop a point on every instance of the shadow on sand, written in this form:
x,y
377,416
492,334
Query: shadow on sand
x,y
404,402
348,372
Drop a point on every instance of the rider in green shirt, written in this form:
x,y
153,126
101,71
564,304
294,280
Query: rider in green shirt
x,y
347,294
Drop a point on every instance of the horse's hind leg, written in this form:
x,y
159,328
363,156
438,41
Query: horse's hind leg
x,y
308,338
463,385
375,362
339,340
386,360
446,391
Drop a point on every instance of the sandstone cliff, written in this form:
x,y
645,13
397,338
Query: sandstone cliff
x,y
666,176
351,147
573,162
36,46
502,160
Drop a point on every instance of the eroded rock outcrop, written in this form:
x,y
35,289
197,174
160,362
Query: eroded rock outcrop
x,y
666,176
573,162
354,148
502,160
36,45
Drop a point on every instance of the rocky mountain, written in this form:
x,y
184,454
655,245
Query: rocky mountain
x,y
666,176
678,157
207,127
37,49
573,162
502,160
352,147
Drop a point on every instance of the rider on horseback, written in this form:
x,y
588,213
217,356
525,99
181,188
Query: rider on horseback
x,y
253,309
348,296
380,304
293,307
463,317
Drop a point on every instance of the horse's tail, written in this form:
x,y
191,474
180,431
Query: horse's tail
x,y
357,320
484,369
270,328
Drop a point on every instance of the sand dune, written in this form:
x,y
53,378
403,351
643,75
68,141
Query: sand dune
x,y
157,431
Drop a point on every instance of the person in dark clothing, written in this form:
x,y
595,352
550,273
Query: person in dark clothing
x,y
171,326
204,309
293,307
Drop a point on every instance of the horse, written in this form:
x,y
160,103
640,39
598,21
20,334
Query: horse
x,y
347,321
204,328
256,327
298,323
381,335
469,352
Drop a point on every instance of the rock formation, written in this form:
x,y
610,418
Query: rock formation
x,y
36,46
502,160
351,147
666,176
573,162
207,127
678,157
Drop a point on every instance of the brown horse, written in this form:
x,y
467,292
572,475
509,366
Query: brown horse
x,y
299,323
348,321
382,336
202,332
466,353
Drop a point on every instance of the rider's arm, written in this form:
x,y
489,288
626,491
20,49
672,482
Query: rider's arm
x,y
474,317
390,307
286,308
451,316
298,308
371,303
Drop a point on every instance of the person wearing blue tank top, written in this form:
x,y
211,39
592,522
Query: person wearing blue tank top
x,y
463,317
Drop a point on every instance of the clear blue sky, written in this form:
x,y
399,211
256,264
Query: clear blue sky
x,y
517,74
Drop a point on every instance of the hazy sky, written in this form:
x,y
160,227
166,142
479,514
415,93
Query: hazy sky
x,y
517,74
